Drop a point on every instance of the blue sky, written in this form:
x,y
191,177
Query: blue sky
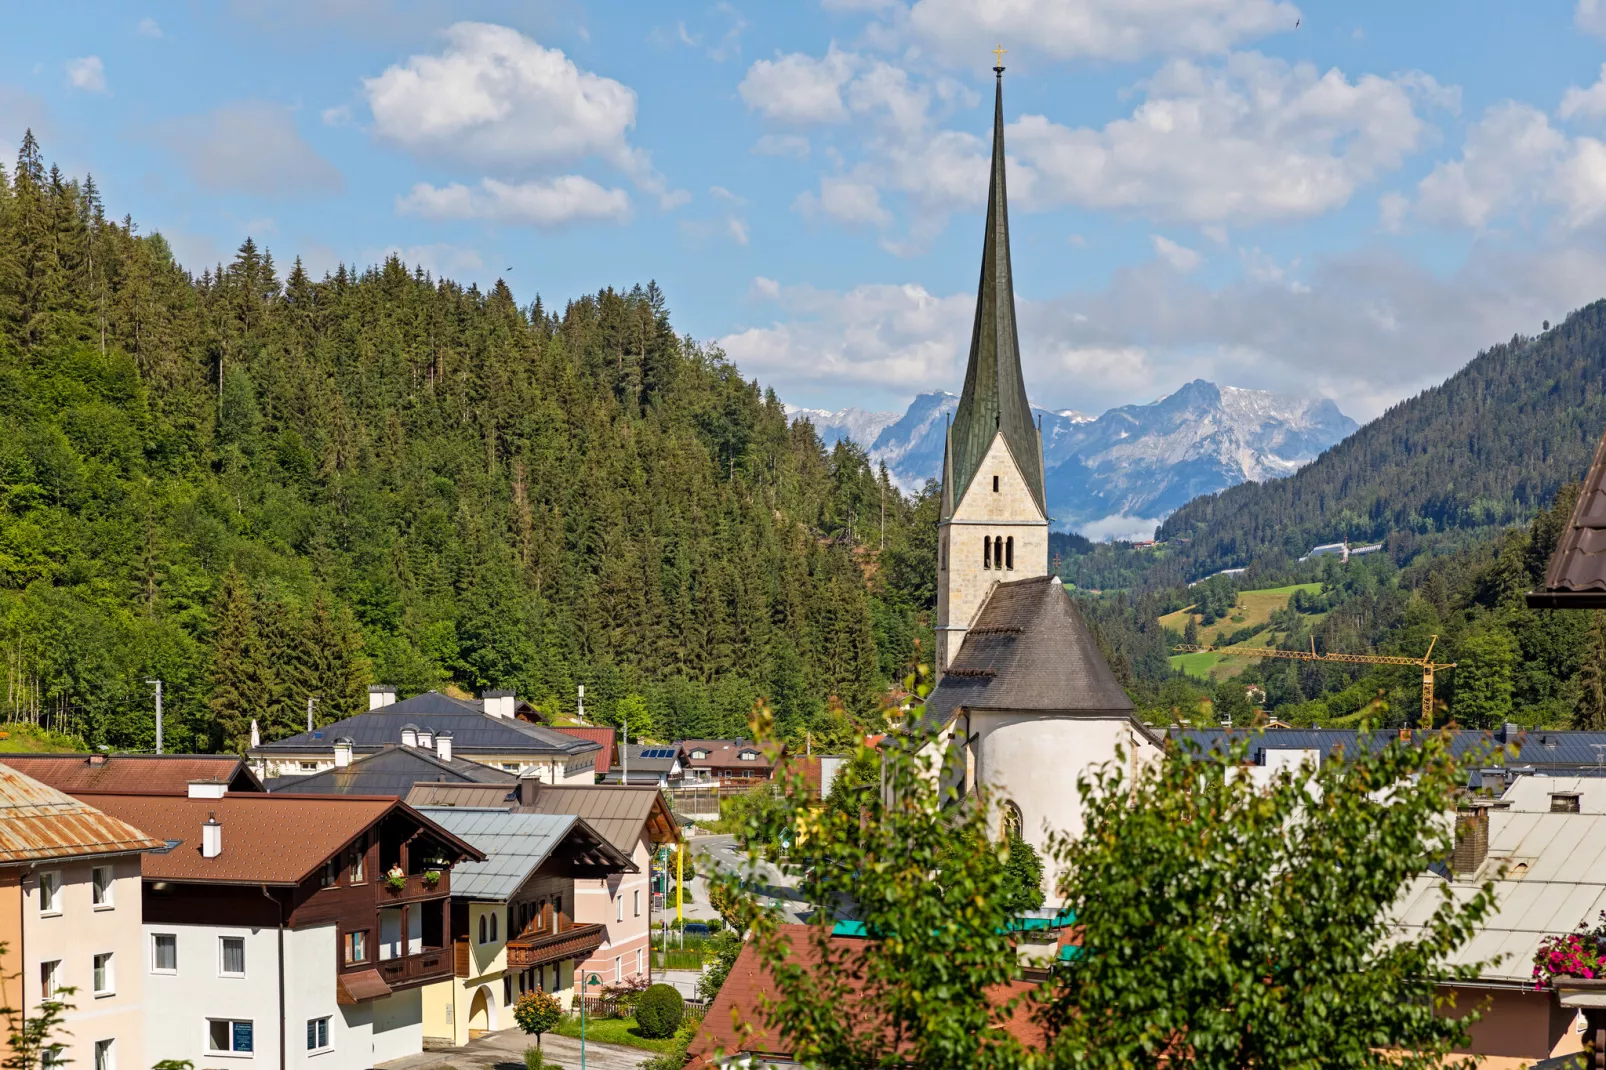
x,y
1350,207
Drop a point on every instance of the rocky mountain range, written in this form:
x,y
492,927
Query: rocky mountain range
x,y
1118,475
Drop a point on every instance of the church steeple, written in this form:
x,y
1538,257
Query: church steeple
x,y
994,398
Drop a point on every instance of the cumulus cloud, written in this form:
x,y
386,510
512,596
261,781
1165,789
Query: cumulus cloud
x,y
87,73
1587,103
496,99
1590,16
1178,256
249,147
1511,146
799,89
546,203
1366,327
1105,29
1253,139
844,200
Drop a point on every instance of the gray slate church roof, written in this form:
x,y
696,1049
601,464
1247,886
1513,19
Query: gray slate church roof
x,y
473,730
1029,649
994,395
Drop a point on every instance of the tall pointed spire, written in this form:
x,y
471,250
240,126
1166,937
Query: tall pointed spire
x,y
994,398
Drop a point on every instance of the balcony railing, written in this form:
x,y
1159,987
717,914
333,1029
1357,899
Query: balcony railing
x,y
431,964
538,949
414,887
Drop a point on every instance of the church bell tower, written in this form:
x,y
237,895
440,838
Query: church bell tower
x,y
994,521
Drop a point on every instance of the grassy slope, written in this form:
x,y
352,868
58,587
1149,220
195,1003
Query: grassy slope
x,y
24,738
1253,608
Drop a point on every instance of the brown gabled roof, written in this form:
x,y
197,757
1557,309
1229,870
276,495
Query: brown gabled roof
x,y
37,822
749,982
476,796
619,812
165,773
1576,578
723,754
267,839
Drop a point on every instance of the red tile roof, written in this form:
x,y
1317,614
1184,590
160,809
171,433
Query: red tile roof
x,y
38,822
608,756
167,773
748,980
267,839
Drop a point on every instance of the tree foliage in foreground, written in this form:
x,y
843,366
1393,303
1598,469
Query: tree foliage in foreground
x,y
1224,923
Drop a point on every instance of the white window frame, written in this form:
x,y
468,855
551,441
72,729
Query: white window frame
x,y
636,902
103,974
618,968
328,1035
222,970
102,897
229,1051
106,1054
156,958
50,978
50,892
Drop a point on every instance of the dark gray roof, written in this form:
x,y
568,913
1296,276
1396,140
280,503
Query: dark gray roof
x,y
472,730
1543,750
639,763
1576,577
994,395
393,770
1029,649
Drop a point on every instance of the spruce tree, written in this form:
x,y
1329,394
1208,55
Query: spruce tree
x,y
240,685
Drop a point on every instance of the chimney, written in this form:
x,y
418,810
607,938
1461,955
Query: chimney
x,y
529,784
498,703
380,695
409,735
343,748
426,738
1509,733
211,836
443,746
1471,840
208,789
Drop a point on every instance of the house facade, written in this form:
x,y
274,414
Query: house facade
x,y
70,914
284,931
485,730
514,923
726,762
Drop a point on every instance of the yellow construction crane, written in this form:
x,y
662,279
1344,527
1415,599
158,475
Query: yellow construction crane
x,y
1428,667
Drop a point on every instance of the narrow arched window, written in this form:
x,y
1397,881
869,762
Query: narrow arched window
x,y
1010,823
986,552
483,938
998,551
1009,552
493,926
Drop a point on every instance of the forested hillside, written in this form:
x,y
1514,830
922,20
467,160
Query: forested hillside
x,y
260,490
1485,449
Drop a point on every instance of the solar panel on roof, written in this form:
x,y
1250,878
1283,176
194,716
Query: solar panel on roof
x,y
658,752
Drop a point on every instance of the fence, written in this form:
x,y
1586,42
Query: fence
x,y
609,1007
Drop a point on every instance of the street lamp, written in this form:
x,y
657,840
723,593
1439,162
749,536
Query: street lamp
x,y
594,979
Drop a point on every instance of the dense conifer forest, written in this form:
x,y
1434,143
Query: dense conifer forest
x,y
261,487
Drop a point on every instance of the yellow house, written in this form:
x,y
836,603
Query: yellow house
x,y
513,927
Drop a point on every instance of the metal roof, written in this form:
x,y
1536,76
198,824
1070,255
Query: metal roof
x,y
473,730
1532,794
650,757
621,813
1541,750
1029,649
171,773
515,846
37,822
393,770
478,796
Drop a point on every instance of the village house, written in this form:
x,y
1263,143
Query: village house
x,y
70,919
655,764
393,770
635,820
487,731
725,762
287,930
167,774
514,925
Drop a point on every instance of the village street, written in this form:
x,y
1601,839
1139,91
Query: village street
x,y
504,1050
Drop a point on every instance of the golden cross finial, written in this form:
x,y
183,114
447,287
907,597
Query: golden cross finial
x,y
998,54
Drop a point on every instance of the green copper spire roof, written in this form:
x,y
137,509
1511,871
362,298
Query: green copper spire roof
x,y
994,397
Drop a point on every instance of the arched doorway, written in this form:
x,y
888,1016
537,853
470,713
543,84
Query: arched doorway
x,y
481,1013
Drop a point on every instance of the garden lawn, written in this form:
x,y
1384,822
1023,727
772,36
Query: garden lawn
x,y
611,1031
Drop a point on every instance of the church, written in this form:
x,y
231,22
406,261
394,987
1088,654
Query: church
x,y
1024,701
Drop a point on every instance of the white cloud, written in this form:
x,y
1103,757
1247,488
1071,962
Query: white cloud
x,y
799,89
1589,103
1253,139
1108,29
496,99
547,203
1502,157
148,27
794,145
846,201
339,115
765,288
1178,256
1590,16
1121,528
737,228
249,147
87,73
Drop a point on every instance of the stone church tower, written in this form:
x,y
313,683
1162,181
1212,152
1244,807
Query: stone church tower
x,y
994,524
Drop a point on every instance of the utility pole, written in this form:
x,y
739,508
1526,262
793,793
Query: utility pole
x,y
582,703
311,702
158,684
624,754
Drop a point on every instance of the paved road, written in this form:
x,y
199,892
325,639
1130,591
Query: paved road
x,y
723,853
504,1050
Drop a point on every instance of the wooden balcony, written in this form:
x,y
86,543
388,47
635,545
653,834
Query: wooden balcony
x,y
409,971
415,888
541,948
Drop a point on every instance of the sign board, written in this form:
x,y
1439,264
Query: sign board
x,y
242,1036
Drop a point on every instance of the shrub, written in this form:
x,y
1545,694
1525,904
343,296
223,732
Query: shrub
x,y
659,1012
536,1012
535,1059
